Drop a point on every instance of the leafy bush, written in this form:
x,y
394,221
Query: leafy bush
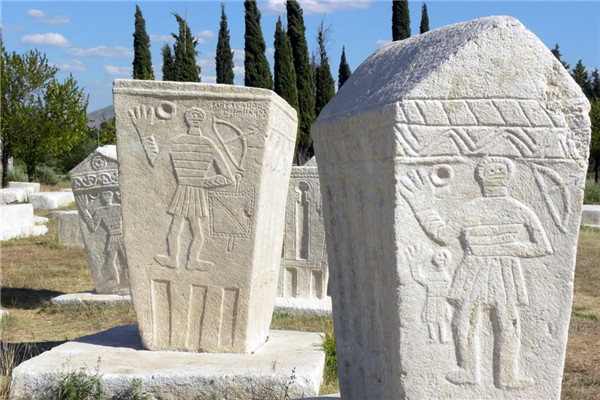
x,y
46,175
330,371
78,385
592,193
17,174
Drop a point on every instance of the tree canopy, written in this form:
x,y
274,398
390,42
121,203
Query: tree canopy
x,y
285,75
257,69
224,57
400,20
324,84
344,70
142,60
184,53
424,27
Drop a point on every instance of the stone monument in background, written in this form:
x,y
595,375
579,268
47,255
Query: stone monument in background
x,y
452,168
304,272
204,174
95,184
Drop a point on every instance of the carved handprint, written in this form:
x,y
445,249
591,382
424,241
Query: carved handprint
x,y
143,119
415,187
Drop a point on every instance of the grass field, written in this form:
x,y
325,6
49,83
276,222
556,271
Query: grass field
x,y
36,269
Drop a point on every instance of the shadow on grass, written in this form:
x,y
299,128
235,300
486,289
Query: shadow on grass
x,y
26,299
17,352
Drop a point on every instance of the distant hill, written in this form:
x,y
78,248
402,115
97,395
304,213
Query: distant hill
x,y
96,117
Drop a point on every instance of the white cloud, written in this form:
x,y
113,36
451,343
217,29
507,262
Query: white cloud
x,y
48,39
381,42
206,33
45,18
239,71
71,66
162,39
102,51
238,55
7,28
270,51
117,71
314,6
207,63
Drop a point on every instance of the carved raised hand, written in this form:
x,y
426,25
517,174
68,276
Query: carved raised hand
x,y
143,118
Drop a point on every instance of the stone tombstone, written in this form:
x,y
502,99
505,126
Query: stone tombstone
x,y
452,167
95,184
204,173
304,269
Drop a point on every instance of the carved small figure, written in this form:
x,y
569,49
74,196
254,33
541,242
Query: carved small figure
x,y
436,312
495,232
108,215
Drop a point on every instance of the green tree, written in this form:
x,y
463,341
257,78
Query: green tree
x,y
40,116
324,84
558,56
285,75
257,69
304,80
424,27
142,60
595,78
168,67
595,142
344,70
224,57
582,78
184,50
400,20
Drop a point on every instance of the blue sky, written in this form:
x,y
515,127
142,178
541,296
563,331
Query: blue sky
x,y
93,39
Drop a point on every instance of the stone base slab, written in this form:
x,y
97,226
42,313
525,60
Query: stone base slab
x,y
90,299
51,200
13,195
590,215
325,396
288,365
31,187
69,228
296,306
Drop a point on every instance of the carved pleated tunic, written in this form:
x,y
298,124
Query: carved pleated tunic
x,y
110,217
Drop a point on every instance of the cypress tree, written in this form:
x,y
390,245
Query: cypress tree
x,y
424,19
582,78
168,67
257,69
185,67
400,20
142,61
224,58
285,76
304,79
324,84
344,70
596,83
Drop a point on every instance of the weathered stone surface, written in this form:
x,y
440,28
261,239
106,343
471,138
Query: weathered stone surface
x,y
13,195
69,228
590,215
17,221
304,272
32,187
452,166
288,365
95,184
204,171
90,299
51,200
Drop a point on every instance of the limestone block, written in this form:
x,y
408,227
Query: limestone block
x,y
304,270
95,184
32,187
452,167
13,195
51,200
265,374
17,221
591,215
90,299
69,228
204,171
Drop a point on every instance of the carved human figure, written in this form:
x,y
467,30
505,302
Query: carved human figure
x,y
436,312
198,166
495,232
108,215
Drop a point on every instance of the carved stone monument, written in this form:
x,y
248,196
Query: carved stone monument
x,y
95,184
452,166
304,272
204,171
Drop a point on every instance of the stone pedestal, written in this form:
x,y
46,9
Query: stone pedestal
x,y
50,200
591,215
289,365
452,166
18,221
204,171
69,228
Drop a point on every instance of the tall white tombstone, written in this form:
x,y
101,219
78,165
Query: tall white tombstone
x,y
95,184
204,171
452,166
304,270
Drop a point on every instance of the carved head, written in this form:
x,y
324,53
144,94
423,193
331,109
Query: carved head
x,y
494,171
441,258
107,197
195,117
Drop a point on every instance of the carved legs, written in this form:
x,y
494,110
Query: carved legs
x,y
194,261
171,260
465,325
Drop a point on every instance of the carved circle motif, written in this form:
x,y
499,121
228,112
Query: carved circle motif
x,y
442,175
166,110
98,162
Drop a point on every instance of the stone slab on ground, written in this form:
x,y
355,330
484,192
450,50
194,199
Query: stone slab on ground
x,y
90,299
3,314
51,200
299,306
17,221
590,215
69,228
13,195
325,396
32,187
289,363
